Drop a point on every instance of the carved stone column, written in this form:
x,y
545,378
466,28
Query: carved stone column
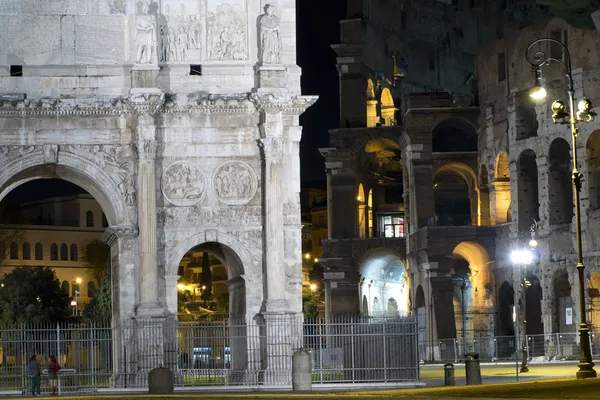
x,y
273,226
146,144
121,240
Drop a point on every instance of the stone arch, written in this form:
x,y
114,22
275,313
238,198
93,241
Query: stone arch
x,y
560,190
74,169
506,327
365,305
454,135
500,198
384,277
592,152
563,300
236,258
533,296
388,109
506,301
526,117
527,189
380,155
371,102
361,211
245,292
476,267
456,195
502,171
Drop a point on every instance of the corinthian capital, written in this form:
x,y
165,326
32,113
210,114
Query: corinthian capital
x,y
146,148
116,232
272,148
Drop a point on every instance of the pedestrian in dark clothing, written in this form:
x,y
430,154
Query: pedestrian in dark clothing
x,y
34,370
53,369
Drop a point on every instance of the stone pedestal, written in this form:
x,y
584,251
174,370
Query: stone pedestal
x,y
282,338
144,77
153,344
272,77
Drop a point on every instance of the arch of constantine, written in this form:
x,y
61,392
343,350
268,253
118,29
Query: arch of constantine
x,y
181,118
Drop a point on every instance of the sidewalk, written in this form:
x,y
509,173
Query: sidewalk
x,y
565,389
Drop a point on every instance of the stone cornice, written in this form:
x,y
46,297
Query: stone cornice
x,y
156,103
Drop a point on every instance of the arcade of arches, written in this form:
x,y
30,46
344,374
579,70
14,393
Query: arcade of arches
x,y
457,208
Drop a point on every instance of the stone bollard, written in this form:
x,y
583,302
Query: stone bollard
x,y
472,369
302,371
449,379
160,381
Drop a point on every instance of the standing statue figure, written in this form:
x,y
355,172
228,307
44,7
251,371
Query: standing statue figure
x,y
146,37
270,38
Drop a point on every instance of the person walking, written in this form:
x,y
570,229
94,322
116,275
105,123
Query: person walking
x,y
34,370
53,369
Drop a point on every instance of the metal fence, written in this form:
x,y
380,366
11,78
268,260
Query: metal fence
x,y
231,351
553,346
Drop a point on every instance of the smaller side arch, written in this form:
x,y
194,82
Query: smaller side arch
x,y
371,103
388,109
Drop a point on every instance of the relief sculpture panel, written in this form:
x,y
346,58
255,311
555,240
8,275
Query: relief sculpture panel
x,y
183,183
226,30
181,30
235,183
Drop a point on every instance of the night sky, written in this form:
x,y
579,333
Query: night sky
x,y
317,30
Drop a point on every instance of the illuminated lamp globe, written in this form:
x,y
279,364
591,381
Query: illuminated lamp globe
x,y
521,257
538,92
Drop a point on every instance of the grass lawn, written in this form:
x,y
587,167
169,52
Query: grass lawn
x,y
564,371
563,389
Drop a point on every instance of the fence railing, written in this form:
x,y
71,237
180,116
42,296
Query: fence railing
x,y
552,346
250,352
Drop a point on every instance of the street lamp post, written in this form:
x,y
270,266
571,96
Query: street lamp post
x,y
463,285
538,59
523,258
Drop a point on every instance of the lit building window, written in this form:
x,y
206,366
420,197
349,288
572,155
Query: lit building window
x,y
391,226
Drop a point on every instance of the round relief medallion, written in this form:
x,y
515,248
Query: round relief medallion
x,y
183,183
235,183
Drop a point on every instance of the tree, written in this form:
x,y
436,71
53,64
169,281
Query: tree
x,y
576,12
100,308
310,303
206,279
223,303
33,295
96,255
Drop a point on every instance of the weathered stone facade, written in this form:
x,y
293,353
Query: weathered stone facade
x,y
472,179
166,114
